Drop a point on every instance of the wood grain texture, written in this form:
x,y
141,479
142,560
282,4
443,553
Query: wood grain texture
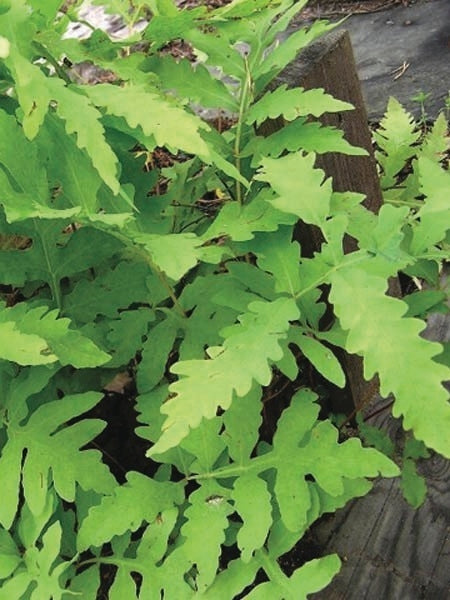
x,y
328,63
391,551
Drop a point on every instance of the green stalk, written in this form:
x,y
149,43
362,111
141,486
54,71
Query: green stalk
x,y
243,106
274,572
410,203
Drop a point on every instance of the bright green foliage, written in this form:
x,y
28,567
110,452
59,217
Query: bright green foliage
x,y
161,121
434,216
294,103
206,385
40,571
402,358
82,119
137,501
319,355
396,138
311,577
138,241
304,446
52,454
56,340
300,134
305,196
196,85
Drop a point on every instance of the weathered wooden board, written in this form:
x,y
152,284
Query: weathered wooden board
x,y
390,550
328,63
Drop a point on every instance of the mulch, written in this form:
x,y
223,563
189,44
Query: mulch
x,y
318,9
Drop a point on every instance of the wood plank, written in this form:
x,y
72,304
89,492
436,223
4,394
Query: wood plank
x,y
390,550
328,63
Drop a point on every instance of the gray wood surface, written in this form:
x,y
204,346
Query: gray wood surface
x,y
391,551
329,63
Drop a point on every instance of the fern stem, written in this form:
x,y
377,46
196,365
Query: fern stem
x,y
168,287
359,258
243,105
274,572
411,203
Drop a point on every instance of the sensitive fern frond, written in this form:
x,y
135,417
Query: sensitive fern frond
x,y
392,347
160,120
52,454
300,188
293,103
57,340
396,138
300,135
245,356
434,215
136,501
83,119
41,570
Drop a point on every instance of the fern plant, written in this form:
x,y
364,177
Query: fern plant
x,y
186,272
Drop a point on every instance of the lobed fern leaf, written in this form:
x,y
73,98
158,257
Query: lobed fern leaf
x,y
139,500
53,256
293,103
434,214
238,9
253,343
209,505
303,193
436,140
303,446
300,135
284,53
68,346
252,501
23,348
52,454
278,255
165,28
23,167
319,355
164,122
175,254
41,570
195,84
396,138
241,222
83,119
403,359
112,291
